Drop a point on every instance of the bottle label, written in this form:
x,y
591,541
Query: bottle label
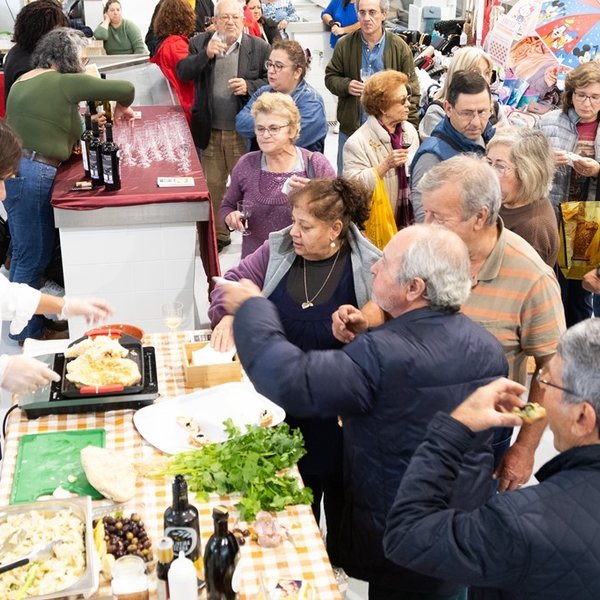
x,y
84,156
236,577
94,165
107,168
185,539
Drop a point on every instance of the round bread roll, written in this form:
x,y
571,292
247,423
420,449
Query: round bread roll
x,y
111,473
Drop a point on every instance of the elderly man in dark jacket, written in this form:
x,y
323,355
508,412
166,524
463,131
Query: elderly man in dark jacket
x,y
537,543
228,66
387,385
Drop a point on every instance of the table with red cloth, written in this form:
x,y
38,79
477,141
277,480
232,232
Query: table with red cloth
x,y
138,187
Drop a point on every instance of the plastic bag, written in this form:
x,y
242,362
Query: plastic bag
x,y
381,225
579,233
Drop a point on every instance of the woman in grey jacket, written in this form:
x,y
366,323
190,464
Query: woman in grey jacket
x,y
574,134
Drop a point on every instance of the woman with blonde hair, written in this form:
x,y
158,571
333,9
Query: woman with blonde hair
x,y
468,58
524,162
260,180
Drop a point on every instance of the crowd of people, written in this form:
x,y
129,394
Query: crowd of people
x,y
400,365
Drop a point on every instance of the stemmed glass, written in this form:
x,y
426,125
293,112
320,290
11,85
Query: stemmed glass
x,y
245,213
365,73
172,313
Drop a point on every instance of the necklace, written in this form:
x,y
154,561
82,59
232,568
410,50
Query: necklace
x,y
309,303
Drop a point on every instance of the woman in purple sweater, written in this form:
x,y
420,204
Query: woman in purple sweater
x,y
261,180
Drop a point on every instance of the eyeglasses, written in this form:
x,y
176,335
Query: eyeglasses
x,y
501,168
540,379
402,100
469,115
229,17
271,129
593,98
276,66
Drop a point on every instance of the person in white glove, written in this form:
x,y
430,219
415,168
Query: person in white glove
x,y
19,302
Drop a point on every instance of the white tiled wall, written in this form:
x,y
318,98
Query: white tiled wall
x,y
135,268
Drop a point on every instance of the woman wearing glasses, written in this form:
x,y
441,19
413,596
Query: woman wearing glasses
x,y
286,70
385,144
261,180
574,135
524,162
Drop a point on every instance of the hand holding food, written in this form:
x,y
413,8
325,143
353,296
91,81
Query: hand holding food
x,y
530,413
93,310
234,295
491,406
25,374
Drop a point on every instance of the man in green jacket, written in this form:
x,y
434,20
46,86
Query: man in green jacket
x,y
357,56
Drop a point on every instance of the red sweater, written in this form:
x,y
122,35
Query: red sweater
x,y
169,53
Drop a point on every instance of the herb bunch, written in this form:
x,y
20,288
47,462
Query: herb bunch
x,y
248,463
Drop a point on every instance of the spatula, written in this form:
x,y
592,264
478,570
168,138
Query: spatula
x,y
39,552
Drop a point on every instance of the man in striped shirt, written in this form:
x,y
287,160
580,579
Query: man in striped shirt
x,y
515,295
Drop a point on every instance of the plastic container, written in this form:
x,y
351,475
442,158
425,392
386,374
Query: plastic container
x,y
182,579
129,580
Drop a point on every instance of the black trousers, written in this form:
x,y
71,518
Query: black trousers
x,y
377,592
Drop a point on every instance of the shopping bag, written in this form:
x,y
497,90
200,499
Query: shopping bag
x,y
579,233
381,225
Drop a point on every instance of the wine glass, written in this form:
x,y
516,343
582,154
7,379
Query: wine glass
x,y
366,73
172,313
245,213
207,22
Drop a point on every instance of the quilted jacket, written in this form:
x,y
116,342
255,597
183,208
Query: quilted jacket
x,y
537,543
387,385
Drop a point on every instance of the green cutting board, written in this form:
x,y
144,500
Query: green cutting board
x,y
48,460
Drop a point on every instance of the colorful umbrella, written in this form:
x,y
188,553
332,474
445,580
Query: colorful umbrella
x,y
570,29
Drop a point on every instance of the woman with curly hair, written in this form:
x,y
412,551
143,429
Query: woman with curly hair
x,y
173,26
307,270
43,109
33,21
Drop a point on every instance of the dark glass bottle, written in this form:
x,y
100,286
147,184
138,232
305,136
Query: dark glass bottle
x,y
221,556
106,105
181,522
95,157
165,558
111,168
86,138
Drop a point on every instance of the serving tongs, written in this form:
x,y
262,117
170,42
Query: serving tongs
x,y
39,552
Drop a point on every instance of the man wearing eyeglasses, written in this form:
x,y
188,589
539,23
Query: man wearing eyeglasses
x,y
465,128
539,542
359,55
227,66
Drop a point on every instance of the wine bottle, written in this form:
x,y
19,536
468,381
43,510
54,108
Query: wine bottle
x,y
95,156
165,558
106,106
110,162
86,138
181,522
221,558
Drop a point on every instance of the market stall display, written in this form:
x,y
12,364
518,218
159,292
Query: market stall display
x,y
301,558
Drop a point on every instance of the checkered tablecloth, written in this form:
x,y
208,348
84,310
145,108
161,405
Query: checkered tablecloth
x,y
305,559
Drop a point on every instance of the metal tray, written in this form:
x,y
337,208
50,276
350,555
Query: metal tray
x,y
82,508
70,390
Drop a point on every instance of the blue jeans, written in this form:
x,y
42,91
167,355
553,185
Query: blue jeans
x,y
31,223
342,139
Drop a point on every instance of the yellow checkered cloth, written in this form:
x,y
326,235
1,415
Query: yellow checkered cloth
x,y
305,559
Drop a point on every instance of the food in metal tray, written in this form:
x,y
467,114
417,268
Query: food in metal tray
x,y
100,362
65,566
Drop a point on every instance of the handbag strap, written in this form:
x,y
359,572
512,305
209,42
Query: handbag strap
x,y
448,140
310,168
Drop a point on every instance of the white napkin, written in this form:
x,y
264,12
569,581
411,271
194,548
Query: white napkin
x,y
209,356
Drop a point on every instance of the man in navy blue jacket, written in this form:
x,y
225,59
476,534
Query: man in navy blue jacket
x,y
387,385
538,543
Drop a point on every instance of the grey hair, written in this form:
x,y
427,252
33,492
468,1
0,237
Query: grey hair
x,y
218,6
441,259
479,184
60,48
384,5
579,349
533,158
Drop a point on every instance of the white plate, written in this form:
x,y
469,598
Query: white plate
x,y
157,423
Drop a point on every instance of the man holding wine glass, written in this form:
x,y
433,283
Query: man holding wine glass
x,y
227,66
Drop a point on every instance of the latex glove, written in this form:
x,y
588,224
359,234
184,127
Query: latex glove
x,y
26,374
94,310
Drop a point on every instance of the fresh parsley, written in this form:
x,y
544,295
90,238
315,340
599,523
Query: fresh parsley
x,y
249,463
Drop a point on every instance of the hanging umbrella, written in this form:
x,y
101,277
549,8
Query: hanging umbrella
x,y
570,29
520,21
